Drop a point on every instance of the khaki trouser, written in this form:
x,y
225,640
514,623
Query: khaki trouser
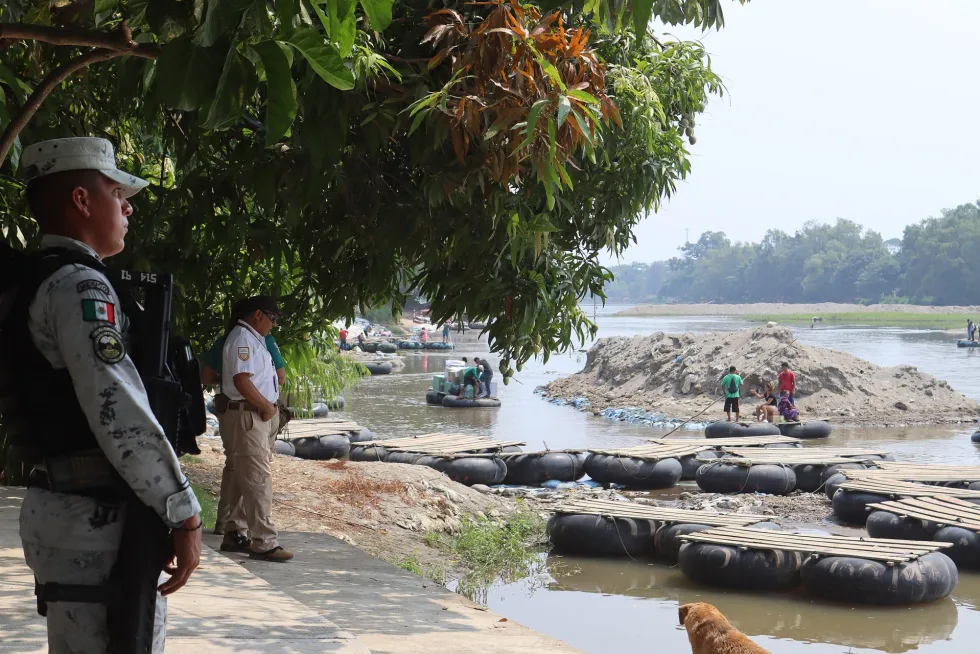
x,y
252,442
231,507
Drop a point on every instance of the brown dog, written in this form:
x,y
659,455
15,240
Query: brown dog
x,y
710,633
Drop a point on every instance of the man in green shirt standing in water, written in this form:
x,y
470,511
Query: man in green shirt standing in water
x,y
732,385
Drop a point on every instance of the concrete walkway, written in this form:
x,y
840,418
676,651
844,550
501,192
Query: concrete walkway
x,y
223,608
390,610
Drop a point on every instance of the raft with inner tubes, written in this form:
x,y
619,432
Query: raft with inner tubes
x,y
723,429
812,466
332,446
634,472
534,468
965,343
805,429
729,476
853,496
410,345
606,528
940,519
434,397
437,345
839,568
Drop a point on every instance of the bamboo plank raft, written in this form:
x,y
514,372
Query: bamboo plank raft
x,y
935,519
927,472
654,465
861,488
941,511
442,444
734,441
320,427
662,514
843,568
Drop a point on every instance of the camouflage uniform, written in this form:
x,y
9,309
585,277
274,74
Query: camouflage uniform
x,y
73,539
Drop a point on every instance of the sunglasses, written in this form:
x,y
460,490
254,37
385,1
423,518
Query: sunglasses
x,y
272,317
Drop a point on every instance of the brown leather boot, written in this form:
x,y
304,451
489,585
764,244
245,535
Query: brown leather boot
x,y
277,554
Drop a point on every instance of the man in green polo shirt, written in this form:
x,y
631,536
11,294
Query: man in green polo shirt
x,y
732,385
230,505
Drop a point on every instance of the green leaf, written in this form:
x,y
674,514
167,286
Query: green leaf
x,y
379,12
584,126
20,89
552,72
231,92
287,11
281,105
340,27
583,96
222,17
186,75
103,10
564,106
642,11
322,57
552,137
532,120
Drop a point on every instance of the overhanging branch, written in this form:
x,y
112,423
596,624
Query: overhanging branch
x,y
120,41
48,84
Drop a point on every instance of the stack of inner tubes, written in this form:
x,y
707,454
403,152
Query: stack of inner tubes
x,y
965,551
731,566
368,453
851,506
334,446
810,429
598,535
720,476
438,345
634,473
534,468
723,429
410,345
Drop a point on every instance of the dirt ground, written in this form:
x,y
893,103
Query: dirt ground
x,y
384,509
678,375
790,510
770,308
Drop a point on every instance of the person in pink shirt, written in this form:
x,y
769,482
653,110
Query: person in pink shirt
x,y
787,382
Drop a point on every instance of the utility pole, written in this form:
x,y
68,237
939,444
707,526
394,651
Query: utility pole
x,y
687,234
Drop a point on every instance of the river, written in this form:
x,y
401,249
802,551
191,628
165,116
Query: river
x,y
602,605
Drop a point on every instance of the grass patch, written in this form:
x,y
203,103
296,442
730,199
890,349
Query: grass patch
x,y
875,318
494,550
209,505
436,573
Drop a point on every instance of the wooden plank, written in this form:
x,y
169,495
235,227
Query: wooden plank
x,y
653,452
802,459
769,536
734,441
660,514
846,452
941,510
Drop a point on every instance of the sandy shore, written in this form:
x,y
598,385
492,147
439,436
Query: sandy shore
x,y
773,308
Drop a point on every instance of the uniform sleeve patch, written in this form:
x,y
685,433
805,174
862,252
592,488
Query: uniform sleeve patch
x,y
93,285
98,311
108,345
243,353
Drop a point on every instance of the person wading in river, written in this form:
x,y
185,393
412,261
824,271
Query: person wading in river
x,y
732,384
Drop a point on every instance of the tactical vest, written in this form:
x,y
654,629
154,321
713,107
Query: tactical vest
x,y
39,411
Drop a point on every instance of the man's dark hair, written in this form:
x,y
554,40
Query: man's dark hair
x,y
784,364
49,195
465,360
732,369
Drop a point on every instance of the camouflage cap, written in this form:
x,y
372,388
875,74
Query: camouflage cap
x,y
80,153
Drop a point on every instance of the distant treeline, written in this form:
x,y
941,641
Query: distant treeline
x,y
937,261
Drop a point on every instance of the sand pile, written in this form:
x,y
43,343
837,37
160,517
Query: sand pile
x,y
680,374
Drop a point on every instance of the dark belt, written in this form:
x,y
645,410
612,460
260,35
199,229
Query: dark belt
x,y
86,473
243,406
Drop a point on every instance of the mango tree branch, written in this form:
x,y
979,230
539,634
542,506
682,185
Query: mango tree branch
x,y
42,90
121,40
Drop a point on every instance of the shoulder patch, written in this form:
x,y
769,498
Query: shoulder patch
x,y
98,311
243,353
108,345
93,285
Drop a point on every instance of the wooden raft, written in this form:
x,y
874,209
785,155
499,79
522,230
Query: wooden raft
x,y
791,456
899,488
879,549
927,471
940,510
656,451
320,427
441,444
734,441
656,513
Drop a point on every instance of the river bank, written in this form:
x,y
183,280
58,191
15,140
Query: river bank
x,y
896,315
677,376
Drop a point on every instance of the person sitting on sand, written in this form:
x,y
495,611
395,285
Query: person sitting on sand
x,y
786,408
766,412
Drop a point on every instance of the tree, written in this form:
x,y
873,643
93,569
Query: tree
x,y
939,257
326,152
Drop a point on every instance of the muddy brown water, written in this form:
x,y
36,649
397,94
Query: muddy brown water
x,y
608,605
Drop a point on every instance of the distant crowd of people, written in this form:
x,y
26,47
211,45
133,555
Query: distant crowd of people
x,y
783,404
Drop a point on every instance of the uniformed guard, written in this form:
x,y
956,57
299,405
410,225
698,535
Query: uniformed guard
x,y
248,378
92,434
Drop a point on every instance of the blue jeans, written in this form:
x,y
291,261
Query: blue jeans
x,y
792,399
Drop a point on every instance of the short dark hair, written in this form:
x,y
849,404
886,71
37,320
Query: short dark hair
x,y
465,360
48,196
732,369
784,364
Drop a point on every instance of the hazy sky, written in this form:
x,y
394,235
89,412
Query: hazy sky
x,y
860,109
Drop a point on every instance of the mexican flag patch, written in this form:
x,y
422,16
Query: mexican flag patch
x,y
98,311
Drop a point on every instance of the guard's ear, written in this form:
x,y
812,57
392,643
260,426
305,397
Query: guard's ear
x,y
682,612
